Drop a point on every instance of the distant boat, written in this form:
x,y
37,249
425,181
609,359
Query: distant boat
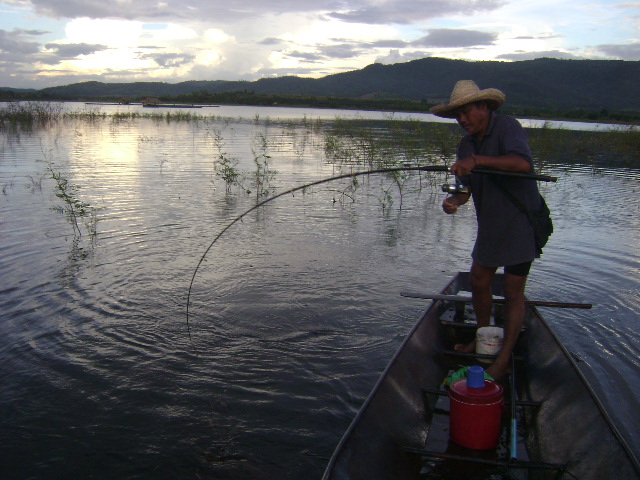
x,y
154,105
171,105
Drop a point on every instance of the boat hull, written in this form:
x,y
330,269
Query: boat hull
x,y
564,429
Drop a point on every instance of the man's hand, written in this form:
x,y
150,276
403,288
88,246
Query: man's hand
x,y
464,166
450,205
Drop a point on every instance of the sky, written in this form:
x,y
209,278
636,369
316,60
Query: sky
x,y
45,43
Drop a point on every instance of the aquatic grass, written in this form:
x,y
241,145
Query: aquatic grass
x,y
391,144
16,115
370,143
89,114
224,166
263,174
617,147
35,183
74,208
123,116
353,142
7,186
624,143
349,191
417,142
182,117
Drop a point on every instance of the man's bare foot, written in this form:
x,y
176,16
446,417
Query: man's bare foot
x,y
465,348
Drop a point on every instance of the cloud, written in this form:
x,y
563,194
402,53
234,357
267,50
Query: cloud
x,y
79,8
629,51
305,56
170,40
389,44
546,36
395,56
343,50
14,43
72,50
519,56
214,12
169,60
407,12
270,41
19,31
115,33
285,72
455,38
372,12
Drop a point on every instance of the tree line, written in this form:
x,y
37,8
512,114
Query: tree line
x,y
389,104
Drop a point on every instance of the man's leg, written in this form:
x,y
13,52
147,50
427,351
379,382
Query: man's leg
x,y
514,312
481,278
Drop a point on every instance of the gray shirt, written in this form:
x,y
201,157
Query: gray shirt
x,y
505,236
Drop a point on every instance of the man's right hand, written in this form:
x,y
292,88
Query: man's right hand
x,y
450,205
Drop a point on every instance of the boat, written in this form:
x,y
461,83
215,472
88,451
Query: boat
x,y
171,105
553,425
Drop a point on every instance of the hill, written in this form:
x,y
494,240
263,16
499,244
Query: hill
x,y
541,84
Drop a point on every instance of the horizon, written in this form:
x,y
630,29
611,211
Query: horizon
x,y
250,81
55,43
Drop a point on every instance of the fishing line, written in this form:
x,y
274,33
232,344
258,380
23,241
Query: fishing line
x,y
424,168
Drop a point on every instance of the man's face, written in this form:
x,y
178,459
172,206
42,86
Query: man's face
x,y
474,118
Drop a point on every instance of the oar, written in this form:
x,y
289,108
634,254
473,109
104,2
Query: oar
x,y
461,298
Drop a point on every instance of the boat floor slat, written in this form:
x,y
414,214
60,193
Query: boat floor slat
x,y
512,463
468,325
456,353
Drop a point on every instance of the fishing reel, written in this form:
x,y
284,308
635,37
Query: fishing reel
x,y
455,188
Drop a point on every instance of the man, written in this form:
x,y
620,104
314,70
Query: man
x,y
505,236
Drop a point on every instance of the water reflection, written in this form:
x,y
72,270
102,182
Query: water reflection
x,y
296,309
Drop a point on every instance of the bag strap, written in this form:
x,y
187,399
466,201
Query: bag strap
x,y
514,200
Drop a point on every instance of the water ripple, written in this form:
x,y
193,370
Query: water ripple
x,y
295,311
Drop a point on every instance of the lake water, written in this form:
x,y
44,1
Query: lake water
x,y
294,311
295,113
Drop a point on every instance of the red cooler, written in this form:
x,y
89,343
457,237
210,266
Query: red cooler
x,y
476,411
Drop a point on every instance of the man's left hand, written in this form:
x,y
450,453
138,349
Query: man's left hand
x,y
464,166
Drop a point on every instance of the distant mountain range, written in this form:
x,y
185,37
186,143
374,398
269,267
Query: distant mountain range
x,y
541,84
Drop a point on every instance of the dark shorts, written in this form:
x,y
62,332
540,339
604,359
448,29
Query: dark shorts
x,y
519,270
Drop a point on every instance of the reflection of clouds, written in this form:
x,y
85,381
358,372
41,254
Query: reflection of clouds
x,y
114,153
301,277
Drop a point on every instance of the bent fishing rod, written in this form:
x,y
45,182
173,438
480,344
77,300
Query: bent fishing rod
x,y
408,168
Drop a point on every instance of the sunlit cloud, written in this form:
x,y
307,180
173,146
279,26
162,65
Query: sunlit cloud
x,y
142,40
115,33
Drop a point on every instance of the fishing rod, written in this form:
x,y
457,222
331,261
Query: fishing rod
x,y
460,188
406,168
540,178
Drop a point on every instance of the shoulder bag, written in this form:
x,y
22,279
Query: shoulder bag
x,y
540,219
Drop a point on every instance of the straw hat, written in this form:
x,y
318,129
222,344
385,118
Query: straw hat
x,y
466,91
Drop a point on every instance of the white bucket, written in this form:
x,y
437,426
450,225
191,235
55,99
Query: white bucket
x,y
489,341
